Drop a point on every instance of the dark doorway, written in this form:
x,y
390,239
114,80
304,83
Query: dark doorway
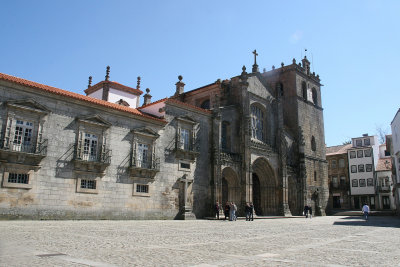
x,y
386,202
356,203
256,194
336,202
224,191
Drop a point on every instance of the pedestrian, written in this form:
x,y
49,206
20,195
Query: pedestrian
x,y
216,209
310,211
231,211
251,211
365,210
226,210
247,211
305,211
234,211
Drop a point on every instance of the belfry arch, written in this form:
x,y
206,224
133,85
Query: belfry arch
x,y
265,188
230,186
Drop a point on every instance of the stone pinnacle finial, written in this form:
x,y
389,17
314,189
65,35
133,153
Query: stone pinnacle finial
x,y
138,83
90,82
108,73
147,90
255,66
180,77
244,70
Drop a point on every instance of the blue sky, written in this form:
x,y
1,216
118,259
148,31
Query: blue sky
x,y
353,45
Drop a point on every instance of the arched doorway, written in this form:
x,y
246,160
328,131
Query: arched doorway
x,y
230,186
266,190
294,196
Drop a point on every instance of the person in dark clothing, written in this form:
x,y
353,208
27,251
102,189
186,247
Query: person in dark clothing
x,y
216,209
306,211
310,211
251,211
247,211
226,210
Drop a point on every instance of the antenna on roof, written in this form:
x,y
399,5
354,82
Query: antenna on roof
x,y
90,82
108,73
138,83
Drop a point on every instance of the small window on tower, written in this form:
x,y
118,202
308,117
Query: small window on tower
x,y
313,144
205,104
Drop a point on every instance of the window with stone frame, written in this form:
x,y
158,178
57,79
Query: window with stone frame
x,y
91,143
367,153
358,142
143,149
23,129
205,104
362,183
354,183
87,182
341,163
186,134
370,182
225,136
314,96
342,180
18,176
353,168
141,188
360,167
367,142
352,154
257,123
359,154
333,164
334,181
368,167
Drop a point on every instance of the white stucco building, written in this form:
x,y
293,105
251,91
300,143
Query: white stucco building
x,y
395,125
384,184
363,158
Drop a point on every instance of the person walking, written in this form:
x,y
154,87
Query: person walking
x,y
234,211
226,210
365,211
310,211
251,211
216,209
305,211
247,211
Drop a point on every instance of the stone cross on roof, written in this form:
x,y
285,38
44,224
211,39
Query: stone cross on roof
x,y
255,66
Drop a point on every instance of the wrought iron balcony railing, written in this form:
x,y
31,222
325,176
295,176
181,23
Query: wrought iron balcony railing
x,y
150,163
37,149
93,156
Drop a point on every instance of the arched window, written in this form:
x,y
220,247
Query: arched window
x,y
257,123
315,96
205,104
304,90
279,89
315,176
313,144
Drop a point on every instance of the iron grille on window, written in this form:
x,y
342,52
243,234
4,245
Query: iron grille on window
x,y
88,184
18,178
142,188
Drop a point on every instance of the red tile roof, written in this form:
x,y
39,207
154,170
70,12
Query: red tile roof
x,y
335,150
384,164
188,105
57,91
153,103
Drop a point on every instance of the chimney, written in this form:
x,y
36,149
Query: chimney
x,y
179,86
147,97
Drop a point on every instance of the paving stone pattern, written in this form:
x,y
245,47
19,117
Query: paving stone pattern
x,y
321,241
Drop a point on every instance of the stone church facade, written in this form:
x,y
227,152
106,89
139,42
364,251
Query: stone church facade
x,y
257,137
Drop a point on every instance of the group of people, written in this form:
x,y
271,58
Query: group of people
x,y
307,211
230,211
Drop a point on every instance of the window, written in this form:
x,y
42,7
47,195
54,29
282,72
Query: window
x,y
358,142
342,180
304,90
88,184
354,183
18,178
184,165
313,144
367,142
362,182
367,152
387,153
23,136
352,154
142,188
90,147
370,182
315,176
353,168
360,167
335,181
257,123
184,139
205,104
341,163
314,96
333,164
142,157
368,167
225,136
359,153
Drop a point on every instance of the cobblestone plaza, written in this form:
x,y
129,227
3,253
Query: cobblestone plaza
x,y
321,241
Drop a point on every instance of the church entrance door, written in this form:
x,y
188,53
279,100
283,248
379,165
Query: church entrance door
x,y
256,195
230,186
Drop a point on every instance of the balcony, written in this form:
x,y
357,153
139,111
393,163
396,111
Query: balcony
x,y
30,154
144,168
91,162
383,189
185,150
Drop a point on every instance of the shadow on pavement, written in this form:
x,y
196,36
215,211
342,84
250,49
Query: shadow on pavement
x,y
374,221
